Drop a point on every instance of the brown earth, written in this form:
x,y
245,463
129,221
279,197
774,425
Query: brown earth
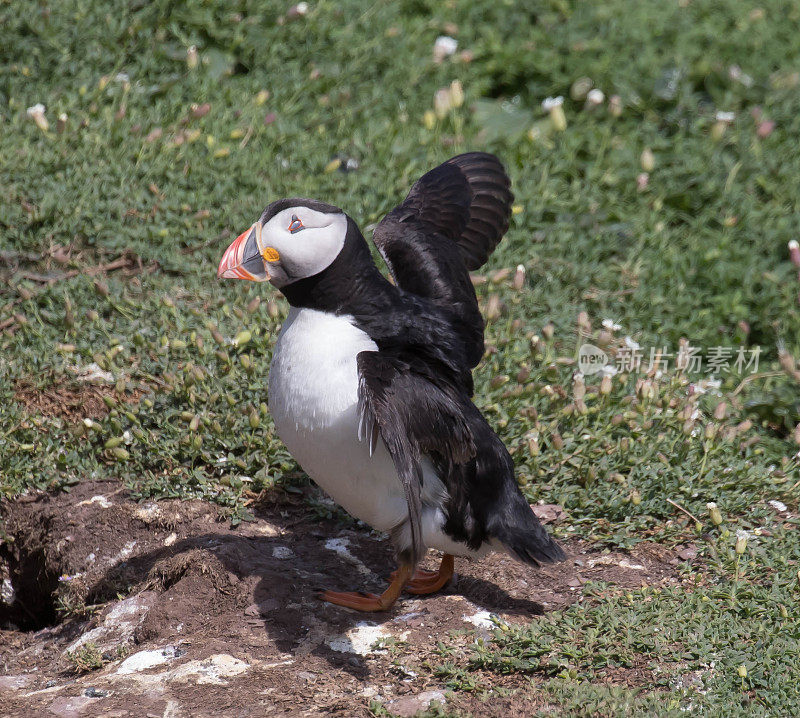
x,y
187,617
74,401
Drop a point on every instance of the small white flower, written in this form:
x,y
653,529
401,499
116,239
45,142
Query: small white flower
x,y
301,8
609,370
741,540
777,505
632,345
443,47
126,437
595,97
36,113
611,325
552,102
735,73
726,116
122,77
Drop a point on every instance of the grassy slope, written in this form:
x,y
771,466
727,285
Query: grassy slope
x,y
699,252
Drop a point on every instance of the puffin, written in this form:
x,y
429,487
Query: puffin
x,y
370,383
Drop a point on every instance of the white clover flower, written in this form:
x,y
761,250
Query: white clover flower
x,y
611,325
726,117
443,47
551,103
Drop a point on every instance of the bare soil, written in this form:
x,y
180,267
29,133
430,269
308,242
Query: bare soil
x,y
73,401
132,609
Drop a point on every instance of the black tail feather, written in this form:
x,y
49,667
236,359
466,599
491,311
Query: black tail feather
x,y
523,536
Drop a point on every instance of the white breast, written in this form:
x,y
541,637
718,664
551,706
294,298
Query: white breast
x,y
313,399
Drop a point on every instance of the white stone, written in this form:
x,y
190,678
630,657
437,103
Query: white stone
x,y
481,619
360,639
143,660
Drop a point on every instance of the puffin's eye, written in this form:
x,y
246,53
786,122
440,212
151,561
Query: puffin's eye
x,y
295,225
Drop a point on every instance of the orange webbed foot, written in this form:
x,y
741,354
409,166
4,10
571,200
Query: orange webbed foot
x,y
371,601
424,581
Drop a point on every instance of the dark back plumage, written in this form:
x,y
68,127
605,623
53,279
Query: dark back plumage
x,y
450,222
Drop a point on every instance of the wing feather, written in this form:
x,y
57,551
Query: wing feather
x,y
401,401
451,220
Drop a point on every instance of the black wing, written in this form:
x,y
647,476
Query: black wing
x,y
418,412
452,219
401,402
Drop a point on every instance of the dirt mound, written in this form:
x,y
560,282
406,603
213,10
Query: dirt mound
x,y
117,608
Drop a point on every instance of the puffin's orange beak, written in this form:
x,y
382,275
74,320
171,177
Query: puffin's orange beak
x,y
243,260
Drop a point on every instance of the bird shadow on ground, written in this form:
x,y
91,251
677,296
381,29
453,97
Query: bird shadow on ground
x,y
218,580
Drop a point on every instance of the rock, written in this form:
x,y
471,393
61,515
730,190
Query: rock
x,y
118,624
143,660
548,513
210,670
19,681
262,528
360,639
71,706
411,705
481,619
282,553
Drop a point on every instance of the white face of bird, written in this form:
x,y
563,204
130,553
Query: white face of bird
x,y
294,243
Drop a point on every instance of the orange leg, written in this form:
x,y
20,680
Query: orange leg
x,y
371,601
424,582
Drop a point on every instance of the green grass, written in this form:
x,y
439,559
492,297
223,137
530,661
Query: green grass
x,y
700,252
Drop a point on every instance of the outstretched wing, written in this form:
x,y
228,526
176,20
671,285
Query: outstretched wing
x,y
401,402
451,220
